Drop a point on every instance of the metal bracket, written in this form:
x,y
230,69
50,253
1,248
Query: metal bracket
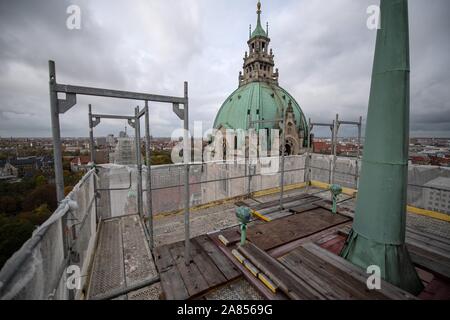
x,y
179,112
132,123
64,105
95,121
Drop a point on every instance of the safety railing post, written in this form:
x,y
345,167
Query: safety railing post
x,y
186,157
148,157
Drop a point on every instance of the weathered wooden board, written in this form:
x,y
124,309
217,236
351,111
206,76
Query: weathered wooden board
x,y
330,280
274,203
291,285
429,260
387,289
228,269
209,268
278,232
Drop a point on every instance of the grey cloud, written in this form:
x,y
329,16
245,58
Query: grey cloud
x,y
323,50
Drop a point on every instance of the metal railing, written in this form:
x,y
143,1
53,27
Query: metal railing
x,y
38,269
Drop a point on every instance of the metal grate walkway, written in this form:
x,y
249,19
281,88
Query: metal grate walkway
x,y
122,257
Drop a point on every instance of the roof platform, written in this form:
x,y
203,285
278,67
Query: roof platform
x,y
291,253
209,269
123,260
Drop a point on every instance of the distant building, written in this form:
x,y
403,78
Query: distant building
x,y
80,164
321,147
436,195
8,171
110,140
26,166
102,156
417,158
101,142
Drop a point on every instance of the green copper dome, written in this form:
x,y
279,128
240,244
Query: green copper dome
x,y
257,101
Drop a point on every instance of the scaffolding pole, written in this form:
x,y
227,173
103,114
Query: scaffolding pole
x,y
137,130
283,146
60,106
186,157
358,124
91,136
148,157
307,172
321,124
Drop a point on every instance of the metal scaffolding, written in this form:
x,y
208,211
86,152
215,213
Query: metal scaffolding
x,y
60,106
334,127
283,151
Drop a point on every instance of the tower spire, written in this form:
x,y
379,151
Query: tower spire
x,y
258,63
258,11
259,30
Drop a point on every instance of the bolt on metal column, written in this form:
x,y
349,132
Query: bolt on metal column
x,y
91,136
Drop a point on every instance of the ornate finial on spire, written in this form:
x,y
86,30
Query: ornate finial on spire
x,y
267,28
259,30
250,31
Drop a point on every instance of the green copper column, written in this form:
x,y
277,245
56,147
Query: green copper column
x,y
378,235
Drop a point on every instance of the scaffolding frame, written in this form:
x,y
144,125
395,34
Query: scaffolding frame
x,y
338,124
334,127
60,106
283,151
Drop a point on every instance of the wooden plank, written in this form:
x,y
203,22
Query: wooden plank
x,y
256,283
428,247
304,207
284,230
428,243
436,237
288,247
313,280
206,266
290,284
172,285
346,285
163,258
192,277
273,203
233,235
389,290
228,269
429,260
288,205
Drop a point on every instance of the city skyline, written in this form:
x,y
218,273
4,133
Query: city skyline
x,y
159,60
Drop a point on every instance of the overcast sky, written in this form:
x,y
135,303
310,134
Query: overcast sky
x,y
323,50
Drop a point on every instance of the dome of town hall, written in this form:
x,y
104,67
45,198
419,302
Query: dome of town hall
x,y
259,96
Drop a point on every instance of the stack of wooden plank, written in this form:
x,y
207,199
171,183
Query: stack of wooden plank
x,y
310,272
209,268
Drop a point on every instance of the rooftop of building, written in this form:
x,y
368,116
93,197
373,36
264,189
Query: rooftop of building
x,y
439,182
114,250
